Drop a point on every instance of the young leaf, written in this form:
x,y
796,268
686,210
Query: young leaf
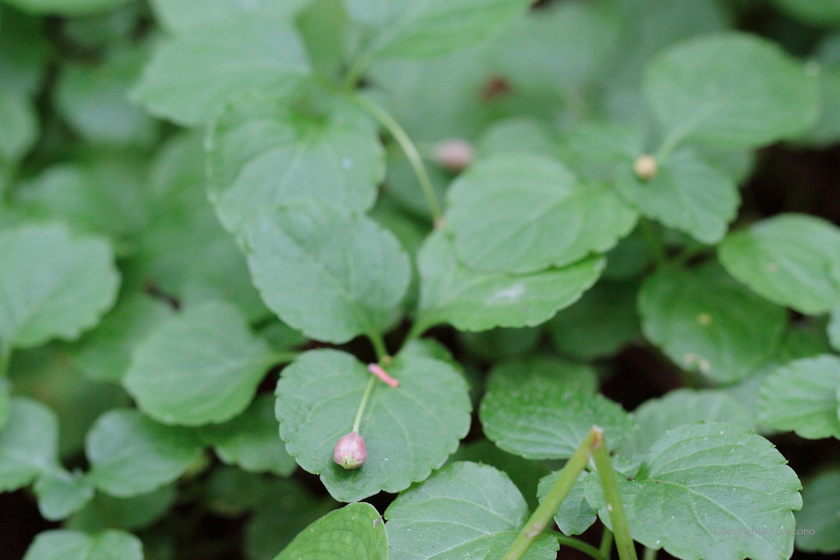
x,y
61,544
686,194
472,300
803,396
192,76
472,510
250,440
199,367
263,154
815,12
104,353
354,532
599,324
429,28
19,123
329,274
575,515
408,430
28,443
52,284
787,259
544,413
179,16
522,213
129,514
130,454
705,321
818,523
734,90
710,490
61,493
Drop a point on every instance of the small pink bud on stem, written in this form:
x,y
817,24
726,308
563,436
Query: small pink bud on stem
x,y
376,370
350,451
454,155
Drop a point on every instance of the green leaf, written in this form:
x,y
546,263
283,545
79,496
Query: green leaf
x,y
199,367
285,509
61,493
129,514
602,322
731,90
524,473
19,123
104,353
28,443
190,77
354,532
787,259
51,284
93,100
65,7
62,544
522,213
575,515
250,440
818,523
472,300
408,430
263,154
705,321
686,194
803,396
699,482
130,454
5,401
833,328
326,273
429,28
542,412
181,15
816,12
472,510
656,417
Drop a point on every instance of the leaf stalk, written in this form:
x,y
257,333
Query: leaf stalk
x,y
623,540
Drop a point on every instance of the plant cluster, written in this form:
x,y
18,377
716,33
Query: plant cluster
x,y
382,227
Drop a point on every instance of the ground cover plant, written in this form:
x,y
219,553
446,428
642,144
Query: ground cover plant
x,y
419,279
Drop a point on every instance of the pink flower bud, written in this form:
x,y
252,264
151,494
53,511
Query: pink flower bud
x,y
350,451
454,155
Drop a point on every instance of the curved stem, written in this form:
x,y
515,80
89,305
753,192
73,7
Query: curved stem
x,y
408,148
606,542
379,347
363,404
623,540
653,241
559,490
650,553
283,357
577,544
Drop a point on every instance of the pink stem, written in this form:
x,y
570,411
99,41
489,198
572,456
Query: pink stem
x,y
376,370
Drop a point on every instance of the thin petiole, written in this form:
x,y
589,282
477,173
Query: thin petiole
x,y
606,542
363,404
577,544
410,151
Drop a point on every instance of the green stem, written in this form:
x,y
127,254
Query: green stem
x,y
653,241
650,553
408,148
283,357
623,540
379,347
363,404
606,542
548,507
587,549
